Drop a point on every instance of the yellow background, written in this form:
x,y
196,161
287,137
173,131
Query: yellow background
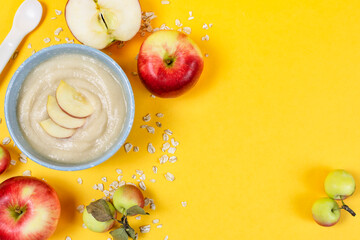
x,y
277,107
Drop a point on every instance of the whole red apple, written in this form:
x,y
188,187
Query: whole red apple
x,y
4,159
169,63
126,197
29,209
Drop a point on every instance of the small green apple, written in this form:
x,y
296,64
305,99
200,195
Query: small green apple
x,y
97,226
126,197
326,212
339,184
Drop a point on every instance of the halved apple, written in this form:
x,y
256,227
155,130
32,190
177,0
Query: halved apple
x,y
72,102
55,130
60,117
98,23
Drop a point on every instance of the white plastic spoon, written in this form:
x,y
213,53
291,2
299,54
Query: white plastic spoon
x,y
27,17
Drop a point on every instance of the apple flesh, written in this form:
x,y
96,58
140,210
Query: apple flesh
x,y
72,102
126,197
339,184
99,23
55,130
326,212
60,117
169,63
92,224
29,209
5,159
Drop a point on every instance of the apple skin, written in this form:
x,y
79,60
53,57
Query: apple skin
x,y
5,159
39,206
126,197
96,226
339,184
326,212
169,63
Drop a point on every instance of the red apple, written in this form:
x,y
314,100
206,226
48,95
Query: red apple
x,y
126,197
169,63
4,159
29,209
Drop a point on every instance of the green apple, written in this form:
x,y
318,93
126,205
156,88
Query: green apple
x,y
339,184
126,197
97,226
326,212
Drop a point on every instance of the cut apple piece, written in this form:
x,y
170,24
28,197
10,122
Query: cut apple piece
x,y
72,102
97,23
60,117
55,130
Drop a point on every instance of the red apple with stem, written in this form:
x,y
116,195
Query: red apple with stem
x,y
29,209
169,63
5,159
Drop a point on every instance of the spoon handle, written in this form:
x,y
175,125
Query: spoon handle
x,y
8,47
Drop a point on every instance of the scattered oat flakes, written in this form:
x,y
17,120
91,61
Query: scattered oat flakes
x,y
165,2
205,38
118,171
155,221
142,185
154,168
173,142
84,226
163,159
168,132
47,40
172,159
145,229
133,176
27,173
122,183
190,18
147,117
178,23
150,129
165,146
159,226
152,96
29,45
79,181
206,55
6,141
159,124
142,177
95,187
106,193
138,218
136,149
151,148
100,187
128,147
13,162
166,238
80,208
114,184
68,238
139,172
210,24
152,206
104,179
33,52
172,150
187,30
58,31
152,180
205,26
190,13
57,39
165,137
160,115
184,204
169,176
58,12
53,18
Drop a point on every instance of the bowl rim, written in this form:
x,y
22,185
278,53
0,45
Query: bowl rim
x,y
114,66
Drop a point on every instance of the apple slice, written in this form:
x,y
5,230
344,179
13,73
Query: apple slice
x,y
60,117
72,102
97,23
55,130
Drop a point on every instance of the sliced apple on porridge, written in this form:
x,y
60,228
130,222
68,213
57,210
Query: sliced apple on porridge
x,y
55,130
60,117
73,102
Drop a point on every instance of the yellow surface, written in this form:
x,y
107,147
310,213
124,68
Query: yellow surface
x,y
277,107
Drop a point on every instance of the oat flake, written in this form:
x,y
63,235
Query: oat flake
x,y
169,176
128,147
151,148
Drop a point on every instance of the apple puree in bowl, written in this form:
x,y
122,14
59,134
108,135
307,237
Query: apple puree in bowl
x,y
94,81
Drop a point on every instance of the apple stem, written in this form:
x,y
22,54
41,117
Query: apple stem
x,y
347,208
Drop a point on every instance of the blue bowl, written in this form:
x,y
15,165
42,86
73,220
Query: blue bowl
x,y
14,87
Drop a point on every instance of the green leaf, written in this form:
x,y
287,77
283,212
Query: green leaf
x,y
135,210
119,234
100,210
131,232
